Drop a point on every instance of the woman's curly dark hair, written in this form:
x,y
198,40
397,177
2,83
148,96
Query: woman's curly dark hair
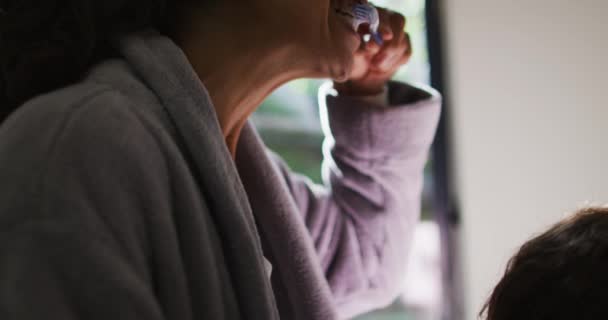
x,y
48,44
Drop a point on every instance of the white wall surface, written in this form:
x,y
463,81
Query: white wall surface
x,y
529,95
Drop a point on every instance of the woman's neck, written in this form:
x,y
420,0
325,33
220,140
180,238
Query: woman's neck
x,y
239,64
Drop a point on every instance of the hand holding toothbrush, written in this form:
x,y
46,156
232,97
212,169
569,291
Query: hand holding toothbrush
x,y
377,61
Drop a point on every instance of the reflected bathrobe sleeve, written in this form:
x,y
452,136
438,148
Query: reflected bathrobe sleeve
x,y
362,218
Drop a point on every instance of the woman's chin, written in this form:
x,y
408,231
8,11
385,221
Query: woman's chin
x,y
342,62
345,55
341,43
340,68
342,73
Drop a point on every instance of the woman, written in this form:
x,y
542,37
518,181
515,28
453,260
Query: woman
x,y
133,187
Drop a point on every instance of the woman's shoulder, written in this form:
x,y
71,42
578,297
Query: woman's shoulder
x,y
110,95
70,148
87,121
81,108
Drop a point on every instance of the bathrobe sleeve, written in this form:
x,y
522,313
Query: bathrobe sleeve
x,y
363,218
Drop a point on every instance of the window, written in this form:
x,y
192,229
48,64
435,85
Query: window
x,y
288,121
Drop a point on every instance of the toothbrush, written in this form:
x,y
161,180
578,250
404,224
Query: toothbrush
x,y
366,13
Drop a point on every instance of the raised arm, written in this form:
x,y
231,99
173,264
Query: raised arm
x,y
362,218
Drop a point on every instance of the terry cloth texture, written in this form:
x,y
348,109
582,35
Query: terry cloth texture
x,y
119,200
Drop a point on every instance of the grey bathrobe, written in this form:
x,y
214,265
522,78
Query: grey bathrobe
x,y
120,200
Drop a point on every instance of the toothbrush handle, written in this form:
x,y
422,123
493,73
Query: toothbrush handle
x,y
377,38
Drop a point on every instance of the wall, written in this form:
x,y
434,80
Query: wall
x,y
529,122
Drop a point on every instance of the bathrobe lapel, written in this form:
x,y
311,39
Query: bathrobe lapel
x,y
165,69
298,281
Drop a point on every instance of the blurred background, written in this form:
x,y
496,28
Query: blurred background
x,y
528,113
521,142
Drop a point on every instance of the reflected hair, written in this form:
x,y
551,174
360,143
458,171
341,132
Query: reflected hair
x,y
558,275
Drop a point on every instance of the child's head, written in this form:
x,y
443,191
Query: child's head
x,y
561,274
